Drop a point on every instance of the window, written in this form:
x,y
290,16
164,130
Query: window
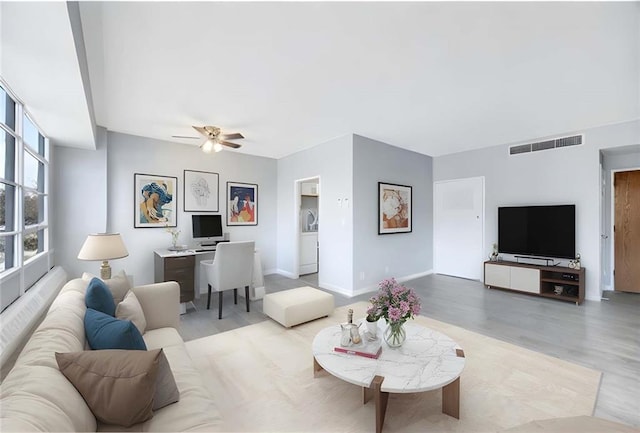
x,y
24,208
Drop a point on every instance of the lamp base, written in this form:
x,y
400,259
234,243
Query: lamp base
x,y
105,270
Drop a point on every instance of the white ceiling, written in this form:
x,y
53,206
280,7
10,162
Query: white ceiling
x,y
431,77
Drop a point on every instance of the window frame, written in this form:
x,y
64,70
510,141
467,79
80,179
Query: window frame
x,y
20,230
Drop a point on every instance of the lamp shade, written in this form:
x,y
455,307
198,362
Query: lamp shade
x,y
207,146
103,246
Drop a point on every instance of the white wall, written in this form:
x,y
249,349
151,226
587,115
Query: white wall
x,y
566,175
78,202
401,255
333,163
97,195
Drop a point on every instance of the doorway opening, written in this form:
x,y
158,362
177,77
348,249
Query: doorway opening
x,y
307,225
626,235
619,250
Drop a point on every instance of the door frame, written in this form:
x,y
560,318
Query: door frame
x,y
297,201
612,210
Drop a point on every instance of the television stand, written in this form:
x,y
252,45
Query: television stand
x,y
555,282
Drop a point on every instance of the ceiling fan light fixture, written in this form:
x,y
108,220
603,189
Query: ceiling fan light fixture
x,y
217,147
208,146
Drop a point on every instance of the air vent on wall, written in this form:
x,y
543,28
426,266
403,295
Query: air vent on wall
x,y
544,145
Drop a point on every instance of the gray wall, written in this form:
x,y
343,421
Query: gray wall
x,y
400,255
332,162
349,169
566,175
98,195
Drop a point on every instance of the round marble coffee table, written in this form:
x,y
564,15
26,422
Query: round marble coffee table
x,y
426,361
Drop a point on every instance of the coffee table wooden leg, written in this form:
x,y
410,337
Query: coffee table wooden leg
x,y
317,368
451,399
381,399
451,395
366,394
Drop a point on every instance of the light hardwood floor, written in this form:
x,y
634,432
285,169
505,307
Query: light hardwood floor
x,y
601,335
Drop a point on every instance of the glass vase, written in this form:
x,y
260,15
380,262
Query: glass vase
x,y
395,335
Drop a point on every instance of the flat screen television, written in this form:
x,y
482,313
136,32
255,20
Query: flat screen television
x,y
207,229
543,231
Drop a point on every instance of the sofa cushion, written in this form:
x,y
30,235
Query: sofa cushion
x,y
106,332
166,391
130,309
99,297
163,337
118,284
196,410
118,385
40,398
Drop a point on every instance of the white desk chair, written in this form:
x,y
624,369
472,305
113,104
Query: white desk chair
x,y
231,268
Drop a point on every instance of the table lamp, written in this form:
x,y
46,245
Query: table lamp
x,y
105,247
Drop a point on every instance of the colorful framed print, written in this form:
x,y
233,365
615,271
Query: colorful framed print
x,y
200,191
242,204
394,208
155,200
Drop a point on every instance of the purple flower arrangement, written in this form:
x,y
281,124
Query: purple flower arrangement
x,y
395,302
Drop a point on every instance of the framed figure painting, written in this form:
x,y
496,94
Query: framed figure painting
x,y
394,208
242,204
200,191
155,200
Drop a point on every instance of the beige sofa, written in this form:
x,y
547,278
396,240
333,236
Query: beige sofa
x,y
36,396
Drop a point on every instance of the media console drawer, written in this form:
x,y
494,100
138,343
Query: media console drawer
x,y
497,275
525,279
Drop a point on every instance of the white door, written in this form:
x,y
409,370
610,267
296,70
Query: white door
x,y
458,227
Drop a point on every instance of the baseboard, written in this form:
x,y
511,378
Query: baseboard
x,y
349,293
337,289
270,271
373,288
285,273
414,276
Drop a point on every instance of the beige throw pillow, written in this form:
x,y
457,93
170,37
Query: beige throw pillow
x,y
117,284
166,389
130,309
118,385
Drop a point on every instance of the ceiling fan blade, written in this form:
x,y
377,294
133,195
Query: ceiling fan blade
x,y
201,130
185,136
234,136
233,145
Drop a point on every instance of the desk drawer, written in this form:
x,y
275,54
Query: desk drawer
x,y
180,262
186,289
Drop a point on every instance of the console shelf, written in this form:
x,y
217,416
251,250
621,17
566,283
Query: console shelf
x,y
536,280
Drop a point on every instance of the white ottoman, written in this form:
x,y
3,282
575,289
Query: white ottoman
x,y
295,306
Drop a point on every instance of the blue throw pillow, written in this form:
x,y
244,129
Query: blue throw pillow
x,y
99,297
106,332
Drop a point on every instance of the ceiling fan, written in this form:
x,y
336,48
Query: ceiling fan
x,y
214,139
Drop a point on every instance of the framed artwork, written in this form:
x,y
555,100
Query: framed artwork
x,y
155,200
242,204
394,208
200,191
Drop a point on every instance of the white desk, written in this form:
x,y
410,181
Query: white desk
x,y
199,282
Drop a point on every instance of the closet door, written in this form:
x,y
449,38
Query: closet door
x,y
458,227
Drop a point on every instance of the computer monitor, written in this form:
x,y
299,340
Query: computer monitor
x,y
207,229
